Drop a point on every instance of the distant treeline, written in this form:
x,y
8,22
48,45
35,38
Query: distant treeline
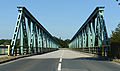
x,y
115,37
5,41
62,43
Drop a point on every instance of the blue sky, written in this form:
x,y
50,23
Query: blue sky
x,y
62,18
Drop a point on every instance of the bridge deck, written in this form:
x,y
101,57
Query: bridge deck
x,y
61,60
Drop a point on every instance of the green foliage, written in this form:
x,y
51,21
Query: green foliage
x,y
5,42
115,37
62,43
8,42
118,2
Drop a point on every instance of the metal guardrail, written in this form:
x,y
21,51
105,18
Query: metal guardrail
x,y
115,50
5,50
104,51
34,50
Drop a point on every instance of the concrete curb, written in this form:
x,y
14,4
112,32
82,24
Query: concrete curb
x,y
116,61
94,55
18,57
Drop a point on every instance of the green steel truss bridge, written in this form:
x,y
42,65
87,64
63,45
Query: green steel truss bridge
x,y
32,33
30,38
91,37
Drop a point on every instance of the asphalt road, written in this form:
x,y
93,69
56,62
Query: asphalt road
x,y
61,60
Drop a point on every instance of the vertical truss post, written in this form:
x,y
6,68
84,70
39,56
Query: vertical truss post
x,y
49,44
98,33
75,42
85,37
89,36
29,35
53,44
93,31
82,40
42,40
106,39
93,34
32,37
46,40
38,39
78,41
21,36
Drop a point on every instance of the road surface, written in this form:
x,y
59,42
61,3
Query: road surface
x,y
61,60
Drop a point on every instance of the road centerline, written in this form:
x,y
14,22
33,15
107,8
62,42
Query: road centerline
x,y
60,60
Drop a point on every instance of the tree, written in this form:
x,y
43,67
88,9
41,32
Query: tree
x,y
67,43
62,43
115,37
5,41
117,1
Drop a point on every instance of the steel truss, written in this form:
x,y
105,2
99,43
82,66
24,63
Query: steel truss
x,y
92,33
31,34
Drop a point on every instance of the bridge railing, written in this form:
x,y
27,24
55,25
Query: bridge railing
x,y
104,51
17,50
115,50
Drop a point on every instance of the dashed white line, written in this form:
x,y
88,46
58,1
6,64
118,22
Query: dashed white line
x,y
60,60
59,67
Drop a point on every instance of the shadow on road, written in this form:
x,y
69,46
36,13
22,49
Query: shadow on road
x,y
90,58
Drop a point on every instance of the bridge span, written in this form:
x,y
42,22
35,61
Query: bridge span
x,y
33,38
61,60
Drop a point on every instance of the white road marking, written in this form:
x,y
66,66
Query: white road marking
x,y
11,61
60,60
59,67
